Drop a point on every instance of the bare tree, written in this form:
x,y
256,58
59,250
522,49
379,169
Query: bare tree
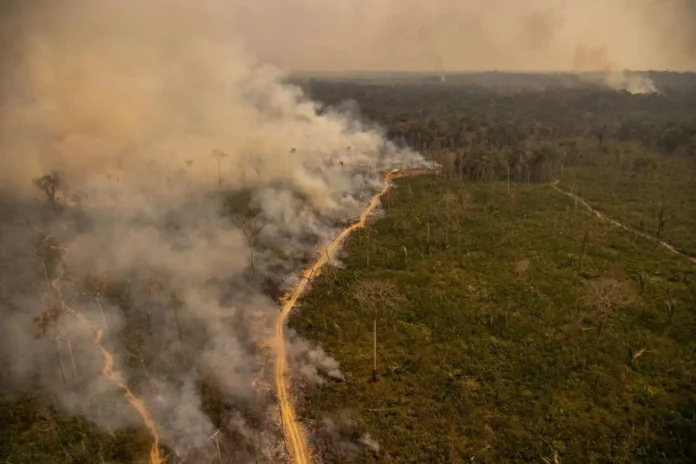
x,y
642,280
95,293
176,304
604,296
508,178
47,323
670,304
135,351
462,207
449,201
583,250
367,248
251,227
376,295
218,154
660,218
49,184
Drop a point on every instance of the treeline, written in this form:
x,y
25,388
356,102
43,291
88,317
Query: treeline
x,y
491,124
540,160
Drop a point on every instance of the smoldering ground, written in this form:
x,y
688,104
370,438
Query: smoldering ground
x,y
338,439
181,178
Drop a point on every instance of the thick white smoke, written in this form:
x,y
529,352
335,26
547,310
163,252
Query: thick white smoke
x,y
191,180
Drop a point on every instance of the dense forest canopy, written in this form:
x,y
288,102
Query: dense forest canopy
x,y
634,154
505,109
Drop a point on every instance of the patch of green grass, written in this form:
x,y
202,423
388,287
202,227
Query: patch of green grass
x,y
497,351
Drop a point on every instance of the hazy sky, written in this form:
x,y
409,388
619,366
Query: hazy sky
x,y
336,35
470,34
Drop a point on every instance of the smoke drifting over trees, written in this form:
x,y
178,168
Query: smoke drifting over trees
x,y
122,103
469,35
528,35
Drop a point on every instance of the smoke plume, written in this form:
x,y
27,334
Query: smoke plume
x,y
468,35
183,184
339,439
596,67
186,181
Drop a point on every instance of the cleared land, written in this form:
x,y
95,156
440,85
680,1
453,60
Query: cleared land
x,y
638,190
502,346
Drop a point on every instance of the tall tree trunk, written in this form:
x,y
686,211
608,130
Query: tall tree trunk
x,y
428,234
461,166
178,326
582,251
660,220
101,310
508,180
368,247
447,229
374,348
458,233
60,361
72,358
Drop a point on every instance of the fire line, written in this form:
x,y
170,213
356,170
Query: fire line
x,y
294,434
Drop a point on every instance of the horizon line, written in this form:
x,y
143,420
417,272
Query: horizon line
x,y
492,70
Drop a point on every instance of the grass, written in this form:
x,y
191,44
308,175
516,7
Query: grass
x,y
496,353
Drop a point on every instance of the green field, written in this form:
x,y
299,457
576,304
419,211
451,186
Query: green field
x,y
497,349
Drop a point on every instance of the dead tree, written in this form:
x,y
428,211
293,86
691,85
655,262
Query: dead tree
x,y
218,154
47,323
604,296
49,184
642,280
95,293
449,201
139,356
376,295
583,250
660,218
367,226
427,231
465,201
251,227
176,304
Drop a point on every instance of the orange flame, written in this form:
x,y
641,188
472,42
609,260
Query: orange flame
x,y
108,369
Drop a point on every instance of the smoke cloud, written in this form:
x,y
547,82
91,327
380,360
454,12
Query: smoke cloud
x,y
191,179
339,439
604,36
451,35
187,183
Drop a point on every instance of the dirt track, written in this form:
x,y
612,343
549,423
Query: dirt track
x,y
664,244
294,434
